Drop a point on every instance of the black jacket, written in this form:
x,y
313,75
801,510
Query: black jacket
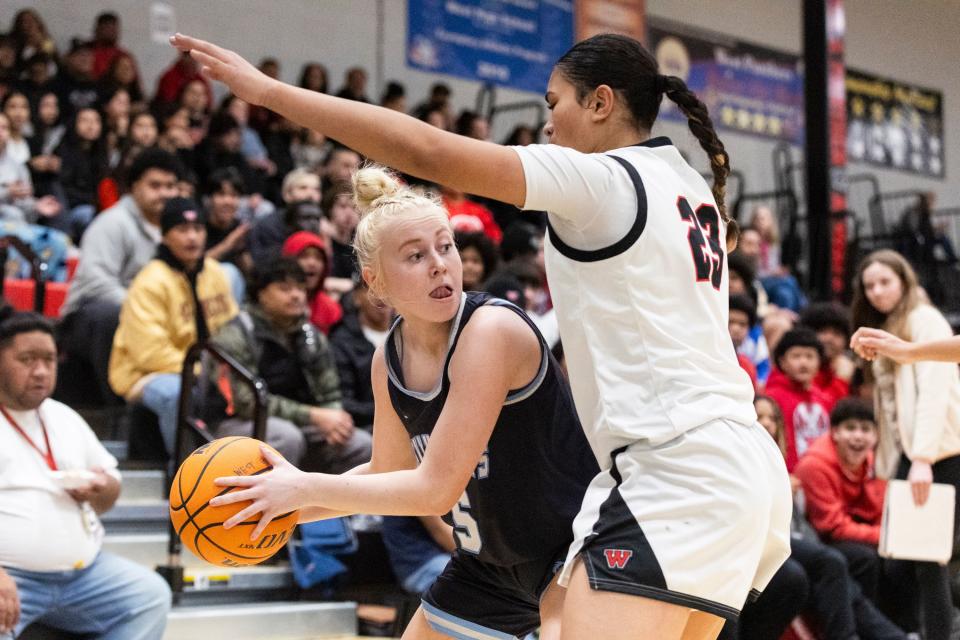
x,y
354,355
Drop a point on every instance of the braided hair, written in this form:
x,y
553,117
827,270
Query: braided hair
x,y
631,71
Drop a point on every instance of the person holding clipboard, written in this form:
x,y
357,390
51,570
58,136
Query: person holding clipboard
x,y
917,406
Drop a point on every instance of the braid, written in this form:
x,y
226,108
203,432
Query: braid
x,y
702,127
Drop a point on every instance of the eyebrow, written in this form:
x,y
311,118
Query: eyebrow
x,y
439,232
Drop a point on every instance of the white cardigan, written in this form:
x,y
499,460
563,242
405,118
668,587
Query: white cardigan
x,y
928,401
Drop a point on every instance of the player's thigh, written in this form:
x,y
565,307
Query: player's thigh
x,y
702,626
551,610
420,629
589,613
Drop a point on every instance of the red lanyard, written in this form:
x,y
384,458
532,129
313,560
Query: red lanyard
x,y
48,456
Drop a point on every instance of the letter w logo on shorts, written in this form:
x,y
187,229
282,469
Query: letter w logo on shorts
x,y
617,558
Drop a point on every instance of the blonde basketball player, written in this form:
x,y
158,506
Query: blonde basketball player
x,y
691,509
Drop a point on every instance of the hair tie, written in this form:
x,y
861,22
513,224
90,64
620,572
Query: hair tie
x,y
660,83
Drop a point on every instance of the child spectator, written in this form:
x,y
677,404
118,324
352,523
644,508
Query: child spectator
x,y
743,316
831,321
479,258
844,498
310,252
797,359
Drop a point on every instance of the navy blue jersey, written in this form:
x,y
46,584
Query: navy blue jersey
x,y
529,483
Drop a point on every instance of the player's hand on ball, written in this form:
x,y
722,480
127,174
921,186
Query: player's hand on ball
x,y
244,80
270,494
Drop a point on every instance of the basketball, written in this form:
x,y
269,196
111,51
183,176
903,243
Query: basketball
x,y
200,526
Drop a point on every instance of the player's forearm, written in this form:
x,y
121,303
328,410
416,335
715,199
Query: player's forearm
x,y
397,493
312,514
939,350
389,137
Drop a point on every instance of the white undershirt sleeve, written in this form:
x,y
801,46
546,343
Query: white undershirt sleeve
x,y
590,198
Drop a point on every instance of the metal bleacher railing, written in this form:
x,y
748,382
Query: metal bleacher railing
x,y
38,268
191,431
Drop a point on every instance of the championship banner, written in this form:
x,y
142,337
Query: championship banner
x,y
895,125
747,88
510,43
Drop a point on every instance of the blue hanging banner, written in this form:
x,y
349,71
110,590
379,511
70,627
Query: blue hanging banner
x,y
510,43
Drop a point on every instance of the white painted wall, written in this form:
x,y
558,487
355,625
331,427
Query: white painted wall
x,y
911,41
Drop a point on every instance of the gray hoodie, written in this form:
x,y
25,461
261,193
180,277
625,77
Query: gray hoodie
x,y
116,245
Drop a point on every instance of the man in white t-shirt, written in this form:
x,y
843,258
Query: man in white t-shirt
x,y
55,478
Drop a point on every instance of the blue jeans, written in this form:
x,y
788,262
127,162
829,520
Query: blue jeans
x,y
162,396
422,579
113,598
238,283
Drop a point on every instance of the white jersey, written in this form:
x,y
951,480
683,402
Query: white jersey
x,y
636,261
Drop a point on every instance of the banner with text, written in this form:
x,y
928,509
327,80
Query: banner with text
x,y
894,124
510,43
747,88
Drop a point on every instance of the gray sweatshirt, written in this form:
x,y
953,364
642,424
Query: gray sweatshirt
x,y
116,245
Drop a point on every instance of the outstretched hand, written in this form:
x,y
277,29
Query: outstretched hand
x,y
242,78
271,494
869,343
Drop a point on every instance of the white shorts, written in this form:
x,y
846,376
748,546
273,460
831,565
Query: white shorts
x,y
701,521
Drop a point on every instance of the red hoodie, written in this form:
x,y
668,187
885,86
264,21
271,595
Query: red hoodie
x,y
806,415
841,505
834,387
324,310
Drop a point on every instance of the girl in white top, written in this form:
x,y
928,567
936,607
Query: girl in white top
x,y
917,406
691,509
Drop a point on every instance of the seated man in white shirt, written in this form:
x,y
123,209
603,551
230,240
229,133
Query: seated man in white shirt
x,y
55,478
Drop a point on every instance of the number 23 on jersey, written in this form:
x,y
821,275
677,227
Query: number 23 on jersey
x,y
704,239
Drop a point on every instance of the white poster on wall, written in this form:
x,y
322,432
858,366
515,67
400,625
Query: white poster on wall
x,y
163,22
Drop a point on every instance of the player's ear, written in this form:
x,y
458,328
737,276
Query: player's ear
x,y
602,103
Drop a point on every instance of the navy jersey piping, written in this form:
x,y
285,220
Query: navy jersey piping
x,y
514,396
639,223
425,396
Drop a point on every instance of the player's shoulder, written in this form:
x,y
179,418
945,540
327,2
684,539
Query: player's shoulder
x,y
497,326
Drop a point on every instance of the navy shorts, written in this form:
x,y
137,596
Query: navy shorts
x,y
473,599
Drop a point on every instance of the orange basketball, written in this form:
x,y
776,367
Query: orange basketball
x,y
200,526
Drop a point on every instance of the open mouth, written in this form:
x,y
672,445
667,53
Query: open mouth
x,y
442,292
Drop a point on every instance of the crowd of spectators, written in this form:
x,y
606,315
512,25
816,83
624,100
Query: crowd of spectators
x,y
195,221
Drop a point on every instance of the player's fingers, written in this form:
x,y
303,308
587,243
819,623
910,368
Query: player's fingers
x,y
271,457
264,521
188,43
237,481
234,497
244,515
209,65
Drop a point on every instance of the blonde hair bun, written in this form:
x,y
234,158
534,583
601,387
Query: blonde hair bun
x,y
371,184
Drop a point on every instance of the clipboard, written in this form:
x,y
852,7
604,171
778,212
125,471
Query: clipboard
x,y
909,532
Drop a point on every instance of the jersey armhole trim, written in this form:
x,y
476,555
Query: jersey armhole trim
x,y
622,245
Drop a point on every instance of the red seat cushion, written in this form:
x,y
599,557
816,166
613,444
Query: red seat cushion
x,y
19,293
